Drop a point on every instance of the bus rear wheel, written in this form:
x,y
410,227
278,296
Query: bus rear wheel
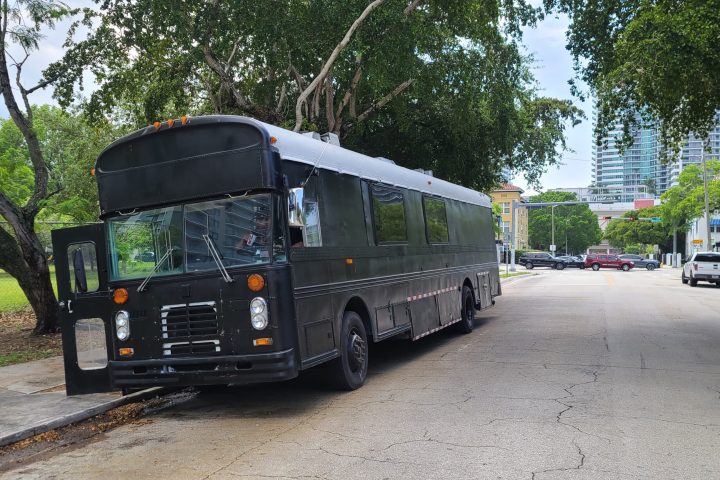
x,y
467,313
350,369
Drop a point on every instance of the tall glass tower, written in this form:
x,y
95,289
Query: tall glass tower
x,y
636,170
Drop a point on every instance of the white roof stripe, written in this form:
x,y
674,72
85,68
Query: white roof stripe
x,y
303,149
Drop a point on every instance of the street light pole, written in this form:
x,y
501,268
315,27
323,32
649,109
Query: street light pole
x,y
552,216
708,247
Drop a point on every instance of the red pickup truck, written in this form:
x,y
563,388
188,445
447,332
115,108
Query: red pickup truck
x,y
596,262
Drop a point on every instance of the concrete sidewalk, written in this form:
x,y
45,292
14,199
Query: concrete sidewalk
x,y
33,400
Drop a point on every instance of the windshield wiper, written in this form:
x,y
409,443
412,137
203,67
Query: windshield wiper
x,y
216,256
157,265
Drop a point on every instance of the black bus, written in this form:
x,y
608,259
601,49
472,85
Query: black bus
x,y
232,251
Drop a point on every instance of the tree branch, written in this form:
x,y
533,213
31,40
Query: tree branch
x,y
331,60
351,91
329,102
385,100
410,8
215,65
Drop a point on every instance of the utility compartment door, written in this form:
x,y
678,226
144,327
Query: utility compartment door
x,y
84,303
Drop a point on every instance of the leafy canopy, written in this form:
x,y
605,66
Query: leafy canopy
x,y
658,57
576,223
440,85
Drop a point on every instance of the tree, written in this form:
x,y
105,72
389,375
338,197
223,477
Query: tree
x,y
438,83
656,58
685,201
633,236
21,253
576,223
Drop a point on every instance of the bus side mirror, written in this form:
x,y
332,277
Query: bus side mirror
x,y
296,217
79,268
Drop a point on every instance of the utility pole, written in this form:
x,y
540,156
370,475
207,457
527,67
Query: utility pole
x,y
552,220
513,208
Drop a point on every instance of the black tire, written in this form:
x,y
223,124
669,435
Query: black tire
x,y
650,266
559,266
349,370
693,282
625,267
467,311
582,267
684,280
529,265
596,266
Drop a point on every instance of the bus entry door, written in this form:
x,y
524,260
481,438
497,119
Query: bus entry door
x,y
84,304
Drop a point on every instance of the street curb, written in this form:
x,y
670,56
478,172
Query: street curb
x,y
82,415
505,281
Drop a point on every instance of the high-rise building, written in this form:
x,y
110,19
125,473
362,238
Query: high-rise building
x,y
691,152
638,166
622,174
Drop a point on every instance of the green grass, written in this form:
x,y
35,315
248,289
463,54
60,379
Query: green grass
x,y
514,274
12,297
26,356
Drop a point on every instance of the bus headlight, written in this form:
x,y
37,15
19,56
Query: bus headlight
x,y
258,313
122,325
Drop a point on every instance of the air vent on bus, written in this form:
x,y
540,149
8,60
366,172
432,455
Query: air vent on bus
x,y
189,320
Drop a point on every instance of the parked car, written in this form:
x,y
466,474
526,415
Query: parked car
x,y
641,262
540,259
572,261
596,262
703,266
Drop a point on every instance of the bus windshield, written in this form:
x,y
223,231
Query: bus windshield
x,y
172,240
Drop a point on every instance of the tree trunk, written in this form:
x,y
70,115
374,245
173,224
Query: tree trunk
x,y
28,265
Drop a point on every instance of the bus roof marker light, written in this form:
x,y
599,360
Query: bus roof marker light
x,y
273,140
255,282
184,119
157,125
120,296
170,122
92,172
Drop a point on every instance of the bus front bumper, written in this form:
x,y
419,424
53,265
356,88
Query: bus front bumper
x,y
188,371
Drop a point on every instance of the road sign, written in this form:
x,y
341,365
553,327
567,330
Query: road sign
x,y
552,248
697,241
655,219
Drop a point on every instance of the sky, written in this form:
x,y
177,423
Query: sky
x,y
552,69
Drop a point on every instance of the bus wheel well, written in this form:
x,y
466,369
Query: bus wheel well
x,y
357,305
468,283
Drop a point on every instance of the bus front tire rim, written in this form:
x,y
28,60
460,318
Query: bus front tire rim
x,y
357,349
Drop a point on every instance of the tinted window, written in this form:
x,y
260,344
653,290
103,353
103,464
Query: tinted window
x,y
435,220
707,257
389,213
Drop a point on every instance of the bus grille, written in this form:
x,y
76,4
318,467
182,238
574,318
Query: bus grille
x,y
189,320
182,349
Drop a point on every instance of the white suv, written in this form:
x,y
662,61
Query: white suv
x,y
703,266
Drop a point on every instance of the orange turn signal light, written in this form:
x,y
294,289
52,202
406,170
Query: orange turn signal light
x,y
259,342
120,296
256,282
126,352
273,140
348,261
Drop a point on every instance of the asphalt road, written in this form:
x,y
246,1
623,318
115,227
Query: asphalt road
x,y
573,375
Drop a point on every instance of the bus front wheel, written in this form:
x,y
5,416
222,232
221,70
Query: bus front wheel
x,y
468,311
350,369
